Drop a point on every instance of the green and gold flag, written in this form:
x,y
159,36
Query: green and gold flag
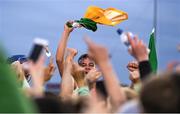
x,y
88,24
109,16
95,15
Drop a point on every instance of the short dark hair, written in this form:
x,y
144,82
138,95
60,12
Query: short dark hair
x,y
54,104
20,58
161,93
48,104
83,56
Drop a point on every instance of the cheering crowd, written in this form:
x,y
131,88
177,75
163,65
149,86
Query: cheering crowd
x,y
81,91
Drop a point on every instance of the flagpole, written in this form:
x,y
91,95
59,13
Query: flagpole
x,y
155,19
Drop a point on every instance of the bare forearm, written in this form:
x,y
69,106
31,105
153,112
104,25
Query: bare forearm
x,y
61,51
67,85
112,84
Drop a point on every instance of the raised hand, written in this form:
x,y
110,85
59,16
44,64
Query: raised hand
x,y
68,29
97,52
49,70
92,76
138,49
133,71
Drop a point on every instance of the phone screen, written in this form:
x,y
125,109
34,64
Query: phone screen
x,y
36,52
37,49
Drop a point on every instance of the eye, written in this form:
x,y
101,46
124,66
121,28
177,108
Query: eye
x,y
83,65
91,64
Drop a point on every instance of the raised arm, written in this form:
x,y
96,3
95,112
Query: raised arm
x,y
67,81
139,51
62,47
100,56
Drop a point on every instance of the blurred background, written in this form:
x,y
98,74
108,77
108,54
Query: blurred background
x,y
23,20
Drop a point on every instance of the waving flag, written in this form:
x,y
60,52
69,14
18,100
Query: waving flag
x,y
109,16
95,15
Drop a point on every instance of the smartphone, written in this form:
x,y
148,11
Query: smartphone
x,y
37,48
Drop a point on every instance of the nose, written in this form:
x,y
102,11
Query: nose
x,y
87,68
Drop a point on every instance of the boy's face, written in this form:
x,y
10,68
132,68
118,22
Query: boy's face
x,y
87,64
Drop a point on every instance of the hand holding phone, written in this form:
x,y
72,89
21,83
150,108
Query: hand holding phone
x,y
37,49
